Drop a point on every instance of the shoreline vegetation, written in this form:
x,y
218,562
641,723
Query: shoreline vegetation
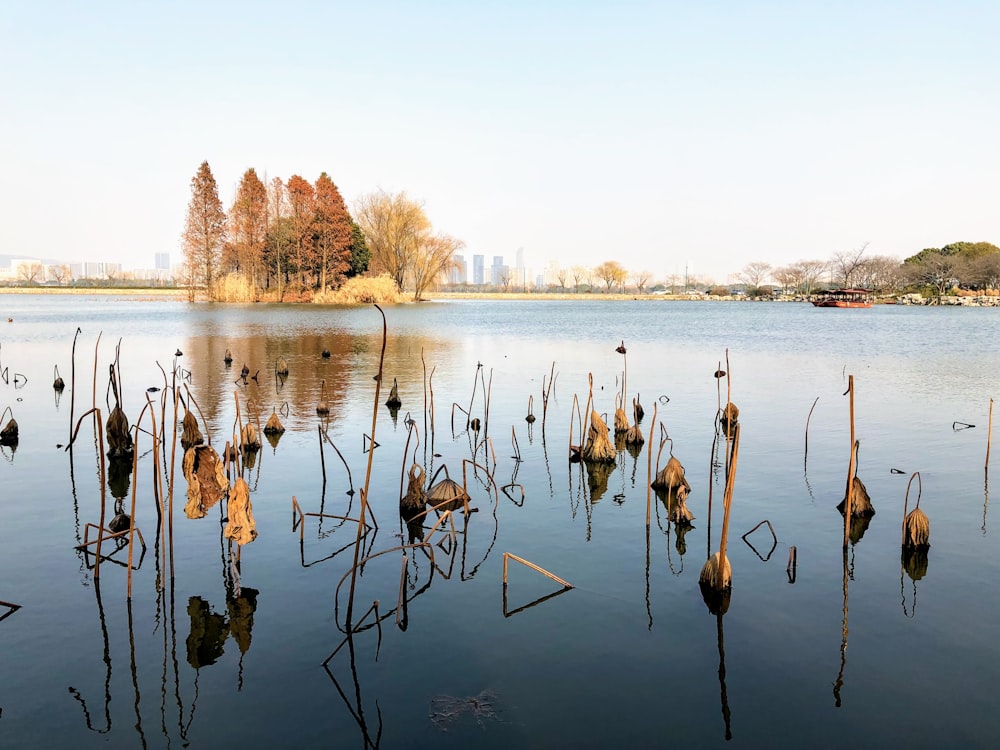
x,y
183,295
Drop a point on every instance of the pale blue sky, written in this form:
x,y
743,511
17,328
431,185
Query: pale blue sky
x,y
655,134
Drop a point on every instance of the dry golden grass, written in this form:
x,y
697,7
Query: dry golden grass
x,y
362,290
234,287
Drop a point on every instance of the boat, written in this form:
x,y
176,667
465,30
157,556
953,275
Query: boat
x,y
844,298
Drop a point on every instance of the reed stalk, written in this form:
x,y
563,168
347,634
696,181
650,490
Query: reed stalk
x,y
850,467
989,436
368,471
649,471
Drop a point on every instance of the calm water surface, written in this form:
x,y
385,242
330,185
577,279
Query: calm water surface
x,y
629,657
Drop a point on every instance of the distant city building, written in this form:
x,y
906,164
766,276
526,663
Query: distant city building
x,y
458,273
497,274
478,269
161,261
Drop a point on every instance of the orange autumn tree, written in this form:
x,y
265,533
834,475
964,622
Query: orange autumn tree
x,y
204,231
302,212
244,253
332,229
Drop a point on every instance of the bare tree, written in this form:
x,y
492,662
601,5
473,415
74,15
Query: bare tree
x,y
580,274
641,278
984,272
60,274
753,275
562,275
846,266
434,257
30,273
881,274
394,226
937,270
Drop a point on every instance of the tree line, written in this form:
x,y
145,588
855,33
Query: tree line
x,y
298,238
972,265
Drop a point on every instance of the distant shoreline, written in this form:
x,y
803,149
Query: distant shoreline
x,y
181,294
153,292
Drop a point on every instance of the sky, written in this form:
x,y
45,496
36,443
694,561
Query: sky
x,y
663,135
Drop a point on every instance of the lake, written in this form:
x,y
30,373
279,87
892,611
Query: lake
x,y
247,646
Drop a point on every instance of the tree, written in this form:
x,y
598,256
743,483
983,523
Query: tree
x,y
302,211
30,273
579,276
332,226
280,235
882,274
937,269
503,278
361,256
846,265
611,273
562,275
810,272
641,278
394,227
248,228
753,275
61,274
788,277
204,229
435,256
984,271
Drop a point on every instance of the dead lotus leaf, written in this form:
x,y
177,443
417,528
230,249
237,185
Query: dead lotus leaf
x,y
598,447
241,527
415,498
9,434
119,438
249,440
447,495
206,476
191,436
273,426
671,478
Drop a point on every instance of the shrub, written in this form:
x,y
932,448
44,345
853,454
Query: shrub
x,y
360,290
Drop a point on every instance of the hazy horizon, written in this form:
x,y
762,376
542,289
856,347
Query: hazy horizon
x,y
659,135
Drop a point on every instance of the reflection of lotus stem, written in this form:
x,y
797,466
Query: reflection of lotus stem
x,y
649,475
170,482
131,526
